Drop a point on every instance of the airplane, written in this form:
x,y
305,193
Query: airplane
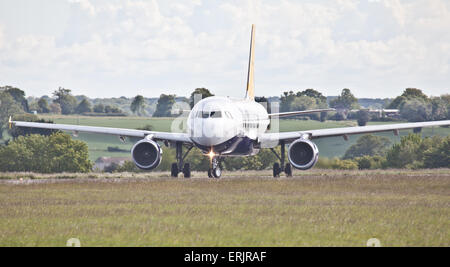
x,y
222,127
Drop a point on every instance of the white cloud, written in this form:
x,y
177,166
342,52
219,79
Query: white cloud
x,y
113,48
86,5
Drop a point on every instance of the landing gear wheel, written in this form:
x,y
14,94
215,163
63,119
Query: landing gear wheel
x,y
276,170
174,171
288,170
187,170
217,172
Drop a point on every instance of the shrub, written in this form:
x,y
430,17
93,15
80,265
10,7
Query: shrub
x,y
345,164
45,154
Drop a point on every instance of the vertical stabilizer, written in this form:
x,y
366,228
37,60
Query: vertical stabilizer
x,y
250,78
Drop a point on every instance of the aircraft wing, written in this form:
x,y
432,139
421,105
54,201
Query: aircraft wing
x,y
313,134
159,136
303,112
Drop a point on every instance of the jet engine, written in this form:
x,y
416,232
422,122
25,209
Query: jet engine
x,y
146,154
303,154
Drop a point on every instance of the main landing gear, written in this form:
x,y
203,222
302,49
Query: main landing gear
x,y
278,168
180,166
214,170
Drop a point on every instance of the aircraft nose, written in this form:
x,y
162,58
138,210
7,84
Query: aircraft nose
x,y
211,132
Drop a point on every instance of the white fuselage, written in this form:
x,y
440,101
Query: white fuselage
x,y
227,125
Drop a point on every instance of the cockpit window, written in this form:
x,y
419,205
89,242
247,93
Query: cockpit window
x,y
216,114
209,114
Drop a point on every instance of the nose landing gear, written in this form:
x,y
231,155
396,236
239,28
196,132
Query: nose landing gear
x,y
214,171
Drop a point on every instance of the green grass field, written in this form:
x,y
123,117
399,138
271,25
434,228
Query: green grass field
x,y
328,147
314,208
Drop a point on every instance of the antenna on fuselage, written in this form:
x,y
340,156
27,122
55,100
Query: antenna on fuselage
x,y
250,94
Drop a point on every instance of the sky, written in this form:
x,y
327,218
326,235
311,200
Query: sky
x,y
113,48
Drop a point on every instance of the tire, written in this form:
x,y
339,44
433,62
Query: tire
x,y
217,172
174,171
288,170
187,170
276,170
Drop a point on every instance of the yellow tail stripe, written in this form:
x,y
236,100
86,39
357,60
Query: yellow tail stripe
x,y
250,78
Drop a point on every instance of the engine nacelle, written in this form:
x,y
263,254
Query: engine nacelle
x,y
146,154
303,154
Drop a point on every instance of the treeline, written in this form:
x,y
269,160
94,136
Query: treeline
x,y
58,152
169,105
370,152
374,152
413,104
65,103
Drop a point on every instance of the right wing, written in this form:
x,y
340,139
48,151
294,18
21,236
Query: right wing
x,y
159,136
274,138
303,112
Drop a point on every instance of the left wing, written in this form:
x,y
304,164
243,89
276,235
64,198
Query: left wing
x,y
158,136
303,112
312,134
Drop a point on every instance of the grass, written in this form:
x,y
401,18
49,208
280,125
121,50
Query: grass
x,y
328,147
314,208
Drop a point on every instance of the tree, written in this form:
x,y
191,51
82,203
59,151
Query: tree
x,y
314,94
397,102
438,156
55,108
416,109
199,91
303,103
164,106
304,100
367,145
66,100
370,162
286,100
45,154
18,96
407,153
111,109
439,108
84,106
138,105
408,94
8,107
362,117
345,101
414,93
43,105
23,131
99,108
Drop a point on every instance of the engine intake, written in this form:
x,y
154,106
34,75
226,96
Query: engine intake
x,y
146,154
303,154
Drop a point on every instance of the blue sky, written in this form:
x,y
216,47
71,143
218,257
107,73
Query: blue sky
x,y
107,48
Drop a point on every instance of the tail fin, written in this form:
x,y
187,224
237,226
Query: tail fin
x,y
250,78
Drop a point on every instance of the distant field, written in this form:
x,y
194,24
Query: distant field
x,y
328,147
314,208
